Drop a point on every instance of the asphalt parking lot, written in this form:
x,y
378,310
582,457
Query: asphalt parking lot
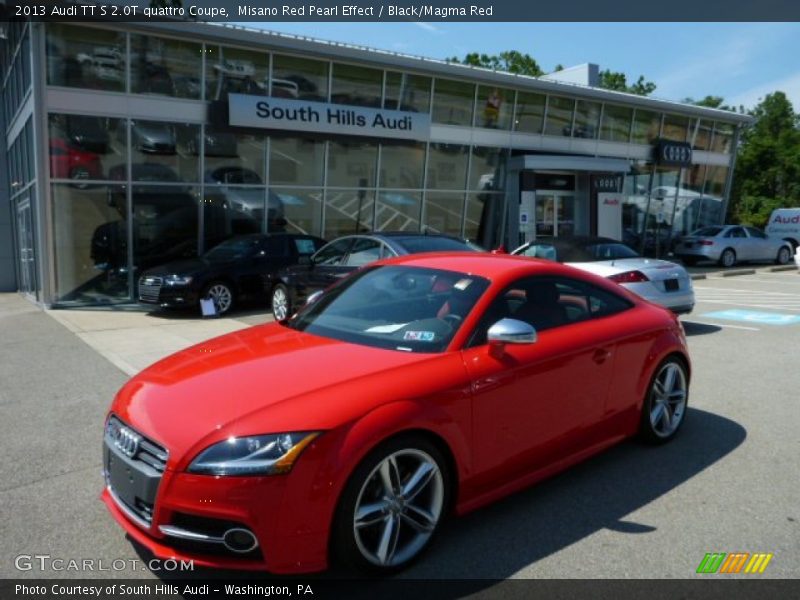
x,y
728,483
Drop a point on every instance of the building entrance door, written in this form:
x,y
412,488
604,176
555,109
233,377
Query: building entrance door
x,y
27,254
554,213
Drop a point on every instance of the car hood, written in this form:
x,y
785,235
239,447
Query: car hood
x,y
267,379
655,269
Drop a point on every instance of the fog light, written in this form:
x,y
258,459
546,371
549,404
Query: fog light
x,y
239,540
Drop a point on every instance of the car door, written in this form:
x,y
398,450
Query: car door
x,y
534,404
325,268
763,248
737,239
271,254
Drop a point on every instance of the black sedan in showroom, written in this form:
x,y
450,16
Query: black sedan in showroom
x,y
340,257
237,268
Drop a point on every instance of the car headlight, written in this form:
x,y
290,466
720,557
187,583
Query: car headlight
x,y
253,455
178,279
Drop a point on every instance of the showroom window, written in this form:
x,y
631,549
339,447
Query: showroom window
x,y
453,102
163,151
165,67
529,112
701,135
443,212
398,210
296,161
86,147
231,158
723,137
402,165
234,71
301,78
646,127
447,166
85,57
352,164
487,169
559,116
348,211
587,119
407,92
300,210
230,210
675,128
616,124
495,107
356,85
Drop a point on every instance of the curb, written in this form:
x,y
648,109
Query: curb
x,y
782,268
737,272
696,276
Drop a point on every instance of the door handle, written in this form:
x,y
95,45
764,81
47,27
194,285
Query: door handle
x,y
600,355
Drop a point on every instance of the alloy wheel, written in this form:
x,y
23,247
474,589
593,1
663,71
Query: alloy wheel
x,y
280,304
668,400
728,258
398,508
222,297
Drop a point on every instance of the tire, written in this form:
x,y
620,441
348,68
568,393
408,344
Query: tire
x,y
407,521
222,294
281,302
784,256
664,407
728,258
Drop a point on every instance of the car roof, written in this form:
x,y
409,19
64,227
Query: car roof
x,y
490,266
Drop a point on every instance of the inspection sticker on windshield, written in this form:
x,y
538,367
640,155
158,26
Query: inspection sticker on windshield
x,y
419,336
754,316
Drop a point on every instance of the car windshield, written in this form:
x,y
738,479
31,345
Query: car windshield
x,y
610,251
232,249
415,245
707,231
408,309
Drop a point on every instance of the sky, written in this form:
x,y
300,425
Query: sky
x,y
742,62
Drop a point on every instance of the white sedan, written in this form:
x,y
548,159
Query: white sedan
x,y
658,281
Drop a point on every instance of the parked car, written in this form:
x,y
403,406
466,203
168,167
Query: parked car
x,y
239,267
87,133
344,255
784,224
730,244
797,257
67,162
150,136
659,281
354,428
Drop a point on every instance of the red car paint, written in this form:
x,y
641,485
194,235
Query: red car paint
x,y
507,420
67,162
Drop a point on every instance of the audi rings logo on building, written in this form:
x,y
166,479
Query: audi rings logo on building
x,y
126,441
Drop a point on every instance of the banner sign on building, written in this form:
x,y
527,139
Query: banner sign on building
x,y
673,154
338,119
609,215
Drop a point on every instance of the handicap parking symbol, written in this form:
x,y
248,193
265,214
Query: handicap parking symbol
x,y
753,316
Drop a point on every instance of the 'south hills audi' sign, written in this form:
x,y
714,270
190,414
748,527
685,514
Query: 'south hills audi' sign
x,y
300,115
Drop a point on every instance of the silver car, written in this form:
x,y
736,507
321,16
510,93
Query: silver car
x,y
730,244
658,281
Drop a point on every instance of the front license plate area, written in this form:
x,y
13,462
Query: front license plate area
x,y
132,481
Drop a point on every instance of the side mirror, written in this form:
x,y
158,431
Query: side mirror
x,y
511,331
313,297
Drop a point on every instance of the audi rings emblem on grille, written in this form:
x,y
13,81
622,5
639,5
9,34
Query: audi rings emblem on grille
x,y
127,441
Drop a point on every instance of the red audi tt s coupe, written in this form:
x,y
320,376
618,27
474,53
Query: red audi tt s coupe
x,y
416,387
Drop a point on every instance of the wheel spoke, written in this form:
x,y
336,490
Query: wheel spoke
x,y
658,387
390,476
418,480
388,543
666,418
657,413
419,519
669,380
677,397
370,514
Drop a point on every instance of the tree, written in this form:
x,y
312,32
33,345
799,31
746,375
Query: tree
x,y
510,61
713,102
768,162
614,80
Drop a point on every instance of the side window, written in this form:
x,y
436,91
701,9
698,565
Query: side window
x,y
736,232
755,233
363,252
547,251
387,252
304,246
549,302
332,254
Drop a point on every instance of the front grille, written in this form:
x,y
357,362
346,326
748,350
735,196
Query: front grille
x,y
150,288
134,466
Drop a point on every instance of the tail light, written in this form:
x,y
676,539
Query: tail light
x,y
705,243
629,277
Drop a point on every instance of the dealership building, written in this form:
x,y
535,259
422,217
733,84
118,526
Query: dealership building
x,y
128,145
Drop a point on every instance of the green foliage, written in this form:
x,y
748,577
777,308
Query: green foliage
x,y
510,61
714,102
768,163
614,80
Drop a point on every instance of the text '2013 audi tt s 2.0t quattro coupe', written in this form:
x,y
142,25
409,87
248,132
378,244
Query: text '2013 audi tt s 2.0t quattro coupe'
x,y
416,387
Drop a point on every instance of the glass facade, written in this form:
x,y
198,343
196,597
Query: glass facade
x,y
129,191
